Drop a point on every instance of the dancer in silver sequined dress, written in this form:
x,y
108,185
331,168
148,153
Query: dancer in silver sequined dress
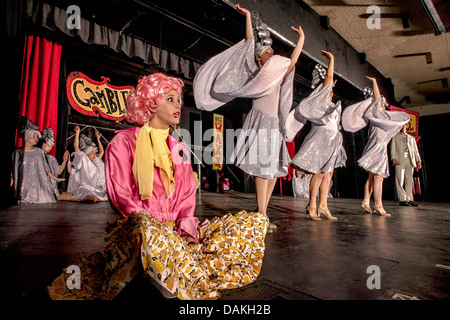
x,y
249,69
322,150
383,125
31,174
46,144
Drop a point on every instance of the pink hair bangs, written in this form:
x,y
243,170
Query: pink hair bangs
x,y
145,98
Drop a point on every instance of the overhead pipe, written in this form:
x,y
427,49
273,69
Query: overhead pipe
x,y
205,32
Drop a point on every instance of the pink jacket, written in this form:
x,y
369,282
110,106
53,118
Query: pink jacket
x,y
123,192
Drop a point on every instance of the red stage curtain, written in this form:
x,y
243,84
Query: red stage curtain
x,y
291,149
38,100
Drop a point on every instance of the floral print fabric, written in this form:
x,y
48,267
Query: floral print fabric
x,y
228,256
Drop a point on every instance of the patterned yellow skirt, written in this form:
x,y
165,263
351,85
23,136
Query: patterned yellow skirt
x,y
229,255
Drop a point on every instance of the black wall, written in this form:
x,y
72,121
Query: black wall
x,y
435,151
11,53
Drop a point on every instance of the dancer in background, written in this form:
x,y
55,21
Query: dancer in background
x,y
383,125
250,69
152,185
31,173
46,143
322,150
300,184
87,171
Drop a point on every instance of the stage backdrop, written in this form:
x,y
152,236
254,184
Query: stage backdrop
x,y
38,100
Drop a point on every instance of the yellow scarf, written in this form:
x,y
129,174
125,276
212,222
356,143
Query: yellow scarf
x,y
152,150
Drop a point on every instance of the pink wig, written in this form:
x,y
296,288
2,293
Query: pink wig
x,y
145,98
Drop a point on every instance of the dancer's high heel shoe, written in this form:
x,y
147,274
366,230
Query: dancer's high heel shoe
x,y
312,213
271,227
326,213
381,211
366,207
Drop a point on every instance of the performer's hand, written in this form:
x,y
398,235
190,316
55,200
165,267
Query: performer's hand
x,y
299,31
242,10
327,54
188,238
395,162
370,78
419,165
66,156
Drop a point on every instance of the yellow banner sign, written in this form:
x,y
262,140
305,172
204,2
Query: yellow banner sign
x,y
96,98
218,142
412,126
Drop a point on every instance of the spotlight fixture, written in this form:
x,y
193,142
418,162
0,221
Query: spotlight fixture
x,y
432,14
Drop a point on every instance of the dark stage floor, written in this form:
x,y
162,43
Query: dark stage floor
x,y
329,260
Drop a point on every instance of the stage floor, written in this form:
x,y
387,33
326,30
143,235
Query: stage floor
x,y
304,259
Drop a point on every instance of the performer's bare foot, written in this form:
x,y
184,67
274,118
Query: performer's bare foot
x,y
67,196
90,199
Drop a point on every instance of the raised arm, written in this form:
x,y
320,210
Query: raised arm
x,y
297,50
376,90
69,166
330,71
248,21
66,157
76,140
101,151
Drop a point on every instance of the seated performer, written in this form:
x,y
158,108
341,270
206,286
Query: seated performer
x,y
87,171
151,183
31,175
46,143
301,182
